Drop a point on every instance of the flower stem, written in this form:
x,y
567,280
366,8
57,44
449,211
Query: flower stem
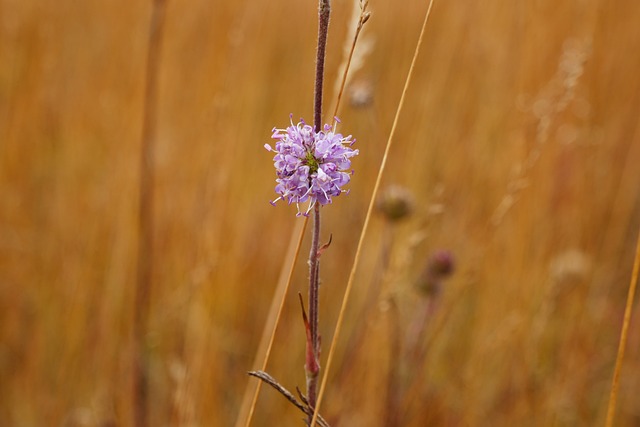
x,y
324,9
312,365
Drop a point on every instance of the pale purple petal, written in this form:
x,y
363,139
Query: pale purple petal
x,y
310,166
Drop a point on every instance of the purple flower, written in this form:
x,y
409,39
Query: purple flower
x,y
311,166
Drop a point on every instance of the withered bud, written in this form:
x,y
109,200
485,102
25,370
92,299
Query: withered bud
x,y
440,266
395,203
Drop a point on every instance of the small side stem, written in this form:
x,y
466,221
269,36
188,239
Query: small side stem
x,y
288,395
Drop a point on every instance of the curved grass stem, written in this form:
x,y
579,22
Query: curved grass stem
x,y
613,396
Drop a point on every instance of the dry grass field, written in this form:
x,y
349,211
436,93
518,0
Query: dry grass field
x,y
519,142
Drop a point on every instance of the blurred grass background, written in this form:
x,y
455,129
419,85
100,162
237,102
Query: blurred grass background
x,y
519,141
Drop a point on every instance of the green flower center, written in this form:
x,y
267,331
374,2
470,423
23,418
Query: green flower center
x,y
312,162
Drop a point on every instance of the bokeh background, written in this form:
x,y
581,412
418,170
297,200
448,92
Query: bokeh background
x,y
519,143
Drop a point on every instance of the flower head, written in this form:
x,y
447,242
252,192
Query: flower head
x,y
311,166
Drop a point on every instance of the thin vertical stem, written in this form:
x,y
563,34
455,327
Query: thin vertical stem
x,y
613,396
145,218
394,388
364,17
314,267
273,319
324,10
312,366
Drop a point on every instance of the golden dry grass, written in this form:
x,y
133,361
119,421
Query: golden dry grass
x,y
521,128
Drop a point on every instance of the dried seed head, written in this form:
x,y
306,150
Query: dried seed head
x,y
440,266
395,203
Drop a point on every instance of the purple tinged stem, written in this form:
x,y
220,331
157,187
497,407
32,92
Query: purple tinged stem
x,y
312,367
324,10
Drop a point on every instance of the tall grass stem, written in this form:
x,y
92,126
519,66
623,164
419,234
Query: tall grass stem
x,y
364,17
615,385
250,399
145,218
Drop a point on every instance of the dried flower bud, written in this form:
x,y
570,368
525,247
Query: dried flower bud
x,y
442,264
395,203
439,267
